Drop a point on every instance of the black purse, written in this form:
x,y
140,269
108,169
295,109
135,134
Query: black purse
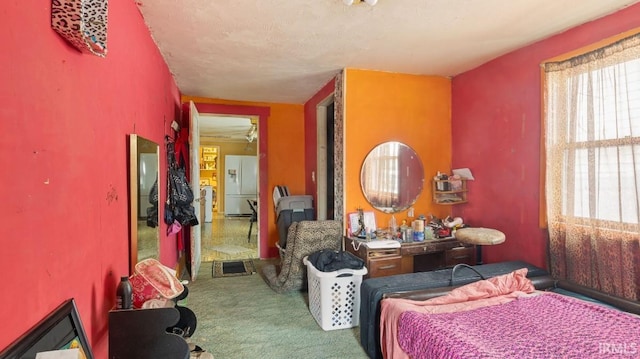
x,y
179,193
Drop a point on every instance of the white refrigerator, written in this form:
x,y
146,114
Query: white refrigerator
x,y
240,184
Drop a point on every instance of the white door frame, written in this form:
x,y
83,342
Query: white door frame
x,y
194,148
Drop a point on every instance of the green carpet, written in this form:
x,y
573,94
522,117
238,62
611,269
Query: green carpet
x,y
241,317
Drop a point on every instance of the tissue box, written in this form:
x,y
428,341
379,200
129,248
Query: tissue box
x,y
61,354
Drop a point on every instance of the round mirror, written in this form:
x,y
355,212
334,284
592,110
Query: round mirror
x,y
392,177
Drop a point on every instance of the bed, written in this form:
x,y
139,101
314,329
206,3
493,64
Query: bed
x,y
427,285
507,317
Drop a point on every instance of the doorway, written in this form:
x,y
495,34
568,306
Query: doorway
x,y
231,233
325,185
261,115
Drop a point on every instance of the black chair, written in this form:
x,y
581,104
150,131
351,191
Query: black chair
x,y
254,216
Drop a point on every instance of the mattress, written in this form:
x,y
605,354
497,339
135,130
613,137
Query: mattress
x,y
372,290
579,329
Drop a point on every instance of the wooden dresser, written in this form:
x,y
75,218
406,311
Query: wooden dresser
x,y
411,257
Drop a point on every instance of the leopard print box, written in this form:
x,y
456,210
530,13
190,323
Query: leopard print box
x,y
83,23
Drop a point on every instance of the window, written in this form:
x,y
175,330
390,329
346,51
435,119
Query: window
x,y
592,142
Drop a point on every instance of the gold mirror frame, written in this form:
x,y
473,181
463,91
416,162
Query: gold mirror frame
x,y
144,159
392,177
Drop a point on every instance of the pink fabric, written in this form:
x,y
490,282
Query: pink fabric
x,y
548,325
497,290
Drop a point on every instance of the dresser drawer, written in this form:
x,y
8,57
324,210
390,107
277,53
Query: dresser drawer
x,y
417,249
384,266
459,255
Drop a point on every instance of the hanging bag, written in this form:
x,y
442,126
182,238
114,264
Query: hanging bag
x,y
181,193
180,196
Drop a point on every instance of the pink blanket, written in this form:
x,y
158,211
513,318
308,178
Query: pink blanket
x,y
543,326
483,293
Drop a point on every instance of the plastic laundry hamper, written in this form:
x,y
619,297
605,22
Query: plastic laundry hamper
x,y
334,297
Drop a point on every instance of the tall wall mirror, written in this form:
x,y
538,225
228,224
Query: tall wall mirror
x,y
392,177
144,162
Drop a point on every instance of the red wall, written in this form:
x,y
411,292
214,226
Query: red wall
x,y
496,123
65,118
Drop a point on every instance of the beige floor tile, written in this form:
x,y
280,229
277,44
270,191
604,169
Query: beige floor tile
x,y
225,238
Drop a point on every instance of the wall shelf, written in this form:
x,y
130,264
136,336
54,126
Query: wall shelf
x,y
209,156
449,192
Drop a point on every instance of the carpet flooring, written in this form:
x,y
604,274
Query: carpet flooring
x,y
241,317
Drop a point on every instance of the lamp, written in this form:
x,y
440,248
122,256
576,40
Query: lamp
x,y
369,2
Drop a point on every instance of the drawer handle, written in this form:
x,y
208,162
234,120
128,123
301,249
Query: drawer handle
x,y
460,257
390,266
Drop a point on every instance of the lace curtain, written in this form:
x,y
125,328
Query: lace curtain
x,y
592,121
383,181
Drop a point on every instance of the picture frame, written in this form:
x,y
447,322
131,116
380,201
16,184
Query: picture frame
x,y
369,220
61,329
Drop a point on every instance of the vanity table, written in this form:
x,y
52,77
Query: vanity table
x,y
411,257
392,178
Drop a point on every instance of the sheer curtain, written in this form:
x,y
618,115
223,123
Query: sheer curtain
x,y
382,182
592,121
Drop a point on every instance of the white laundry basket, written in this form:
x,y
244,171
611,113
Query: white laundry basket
x,y
334,297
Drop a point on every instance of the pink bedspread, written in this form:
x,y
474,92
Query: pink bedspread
x,y
483,293
543,326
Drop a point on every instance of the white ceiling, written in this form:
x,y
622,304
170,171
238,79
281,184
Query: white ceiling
x,y
215,129
284,51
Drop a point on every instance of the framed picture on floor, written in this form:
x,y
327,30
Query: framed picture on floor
x,y
62,329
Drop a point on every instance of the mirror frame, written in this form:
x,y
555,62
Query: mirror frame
x,y
134,163
412,164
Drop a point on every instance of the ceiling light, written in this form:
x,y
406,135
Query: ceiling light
x,y
369,2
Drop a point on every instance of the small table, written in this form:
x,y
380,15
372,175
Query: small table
x,y
411,256
142,333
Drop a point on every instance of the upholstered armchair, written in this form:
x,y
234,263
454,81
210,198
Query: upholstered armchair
x,y
303,239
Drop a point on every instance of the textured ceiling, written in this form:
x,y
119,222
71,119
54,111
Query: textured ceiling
x,y
284,51
215,128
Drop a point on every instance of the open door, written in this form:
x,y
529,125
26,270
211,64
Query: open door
x,y
194,149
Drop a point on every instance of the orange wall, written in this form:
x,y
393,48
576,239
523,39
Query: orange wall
x,y
381,107
285,153
65,120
